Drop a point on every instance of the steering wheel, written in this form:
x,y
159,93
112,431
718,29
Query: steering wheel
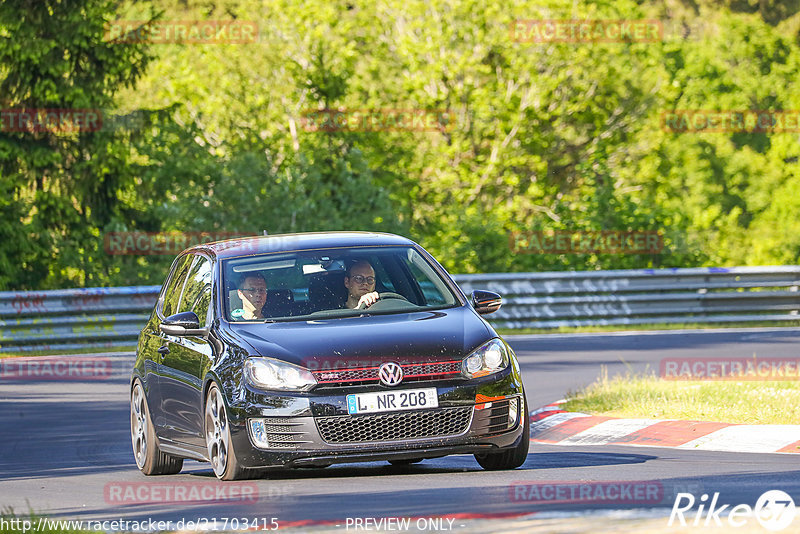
x,y
381,296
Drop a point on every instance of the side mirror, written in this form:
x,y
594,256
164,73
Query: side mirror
x,y
486,302
182,324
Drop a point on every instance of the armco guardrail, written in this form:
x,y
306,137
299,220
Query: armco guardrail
x,y
73,318
646,296
109,317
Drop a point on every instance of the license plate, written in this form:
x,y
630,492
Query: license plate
x,y
391,401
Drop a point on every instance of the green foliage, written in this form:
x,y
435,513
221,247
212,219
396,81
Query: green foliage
x,y
60,188
542,136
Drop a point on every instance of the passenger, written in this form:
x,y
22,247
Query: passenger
x,y
253,292
360,284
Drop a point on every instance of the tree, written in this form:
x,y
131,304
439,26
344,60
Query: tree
x,y
61,183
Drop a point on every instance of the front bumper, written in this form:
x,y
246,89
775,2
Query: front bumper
x,y
315,429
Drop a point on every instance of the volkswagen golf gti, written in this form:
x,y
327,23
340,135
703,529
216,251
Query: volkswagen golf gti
x,y
305,350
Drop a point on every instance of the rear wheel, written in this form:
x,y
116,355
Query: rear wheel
x,y
149,459
218,440
510,458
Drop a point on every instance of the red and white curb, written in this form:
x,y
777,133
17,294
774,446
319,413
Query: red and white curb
x,y
551,424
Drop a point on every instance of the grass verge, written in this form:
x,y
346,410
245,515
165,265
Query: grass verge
x,y
643,396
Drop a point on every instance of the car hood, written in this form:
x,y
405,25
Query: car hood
x,y
426,336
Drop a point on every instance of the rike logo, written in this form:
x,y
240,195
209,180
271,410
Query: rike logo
x,y
774,509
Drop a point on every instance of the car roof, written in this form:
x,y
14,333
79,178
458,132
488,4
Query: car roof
x,y
248,246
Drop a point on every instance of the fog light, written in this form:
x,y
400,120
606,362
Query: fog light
x,y
258,434
513,410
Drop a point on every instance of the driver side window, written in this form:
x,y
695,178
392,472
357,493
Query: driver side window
x,y
175,285
197,293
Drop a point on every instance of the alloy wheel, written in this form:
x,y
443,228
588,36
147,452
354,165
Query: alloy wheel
x,y
217,435
139,425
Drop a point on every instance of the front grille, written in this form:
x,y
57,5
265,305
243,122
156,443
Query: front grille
x,y
394,426
431,369
412,372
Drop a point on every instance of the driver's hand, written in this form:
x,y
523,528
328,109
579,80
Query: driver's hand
x,y
369,299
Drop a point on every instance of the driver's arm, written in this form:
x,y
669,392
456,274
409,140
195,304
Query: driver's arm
x,y
368,300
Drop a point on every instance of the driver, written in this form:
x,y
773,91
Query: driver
x,y
360,284
253,292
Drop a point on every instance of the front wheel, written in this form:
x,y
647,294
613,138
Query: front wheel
x,y
511,458
149,458
218,439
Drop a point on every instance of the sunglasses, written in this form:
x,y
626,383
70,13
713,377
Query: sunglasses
x,y
363,279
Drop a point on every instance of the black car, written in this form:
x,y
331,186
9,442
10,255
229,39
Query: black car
x,y
305,350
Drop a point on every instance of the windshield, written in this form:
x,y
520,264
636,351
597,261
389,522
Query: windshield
x,y
331,283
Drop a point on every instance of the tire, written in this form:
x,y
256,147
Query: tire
x,y
510,458
218,440
149,458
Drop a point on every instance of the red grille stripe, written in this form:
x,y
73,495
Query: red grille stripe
x,y
432,363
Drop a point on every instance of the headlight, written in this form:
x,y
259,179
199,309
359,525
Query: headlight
x,y
489,358
268,373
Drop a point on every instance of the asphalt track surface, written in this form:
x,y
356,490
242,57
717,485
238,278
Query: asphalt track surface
x,y
65,445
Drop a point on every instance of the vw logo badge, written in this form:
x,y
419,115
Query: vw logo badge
x,y
390,374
